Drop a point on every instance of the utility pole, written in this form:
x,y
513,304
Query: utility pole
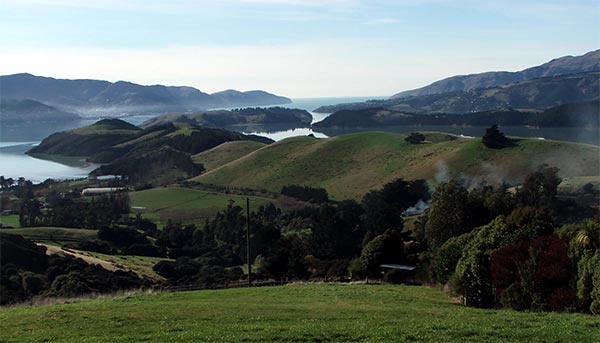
x,y
248,242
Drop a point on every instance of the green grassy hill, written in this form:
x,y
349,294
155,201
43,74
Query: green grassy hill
x,y
350,165
54,235
298,313
186,205
226,153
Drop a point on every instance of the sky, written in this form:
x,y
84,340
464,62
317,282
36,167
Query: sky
x,y
296,48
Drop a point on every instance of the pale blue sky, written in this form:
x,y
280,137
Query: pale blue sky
x,y
298,48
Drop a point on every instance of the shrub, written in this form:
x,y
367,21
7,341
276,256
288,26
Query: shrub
x,y
415,138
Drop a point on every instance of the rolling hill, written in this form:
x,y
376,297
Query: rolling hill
x,y
157,155
225,153
350,165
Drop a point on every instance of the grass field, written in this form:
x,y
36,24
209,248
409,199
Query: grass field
x,y
350,165
298,313
53,235
11,220
186,205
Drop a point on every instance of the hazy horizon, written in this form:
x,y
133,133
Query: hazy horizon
x,y
294,48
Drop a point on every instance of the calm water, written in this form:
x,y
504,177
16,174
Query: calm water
x,y
16,139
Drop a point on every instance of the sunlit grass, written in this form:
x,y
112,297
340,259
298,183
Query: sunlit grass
x,y
297,313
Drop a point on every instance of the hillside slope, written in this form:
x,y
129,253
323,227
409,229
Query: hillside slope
x,y
350,165
158,155
225,153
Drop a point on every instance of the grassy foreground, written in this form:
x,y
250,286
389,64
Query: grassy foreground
x,y
298,313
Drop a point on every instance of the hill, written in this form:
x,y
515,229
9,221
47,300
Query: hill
x,y
350,165
31,110
585,114
541,93
225,153
559,66
107,98
307,313
158,155
245,116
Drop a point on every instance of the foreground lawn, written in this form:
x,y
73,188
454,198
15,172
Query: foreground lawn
x,y
298,313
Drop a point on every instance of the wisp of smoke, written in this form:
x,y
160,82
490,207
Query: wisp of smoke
x,y
442,173
418,208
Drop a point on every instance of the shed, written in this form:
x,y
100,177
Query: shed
x,y
100,191
398,273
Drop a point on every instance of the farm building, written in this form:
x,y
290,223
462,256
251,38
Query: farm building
x,y
100,191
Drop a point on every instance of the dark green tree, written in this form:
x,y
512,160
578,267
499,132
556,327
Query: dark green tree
x,y
447,215
385,248
415,138
540,188
495,139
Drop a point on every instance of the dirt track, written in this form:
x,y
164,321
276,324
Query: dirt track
x,y
53,249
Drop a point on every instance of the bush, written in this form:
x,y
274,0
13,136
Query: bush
x,y
314,195
415,138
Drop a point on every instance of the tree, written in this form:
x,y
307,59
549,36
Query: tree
x,y
540,188
473,268
385,248
495,139
415,138
534,274
448,213
383,208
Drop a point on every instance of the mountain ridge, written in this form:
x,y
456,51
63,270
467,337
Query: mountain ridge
x,y
558,66
93,97
541,93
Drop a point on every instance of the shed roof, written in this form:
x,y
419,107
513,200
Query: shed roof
x,y
398,266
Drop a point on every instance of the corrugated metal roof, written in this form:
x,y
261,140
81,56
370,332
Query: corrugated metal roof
x,y
398,266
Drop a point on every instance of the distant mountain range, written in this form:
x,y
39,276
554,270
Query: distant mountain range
x,y
560,66
96,97
31,110
560,81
